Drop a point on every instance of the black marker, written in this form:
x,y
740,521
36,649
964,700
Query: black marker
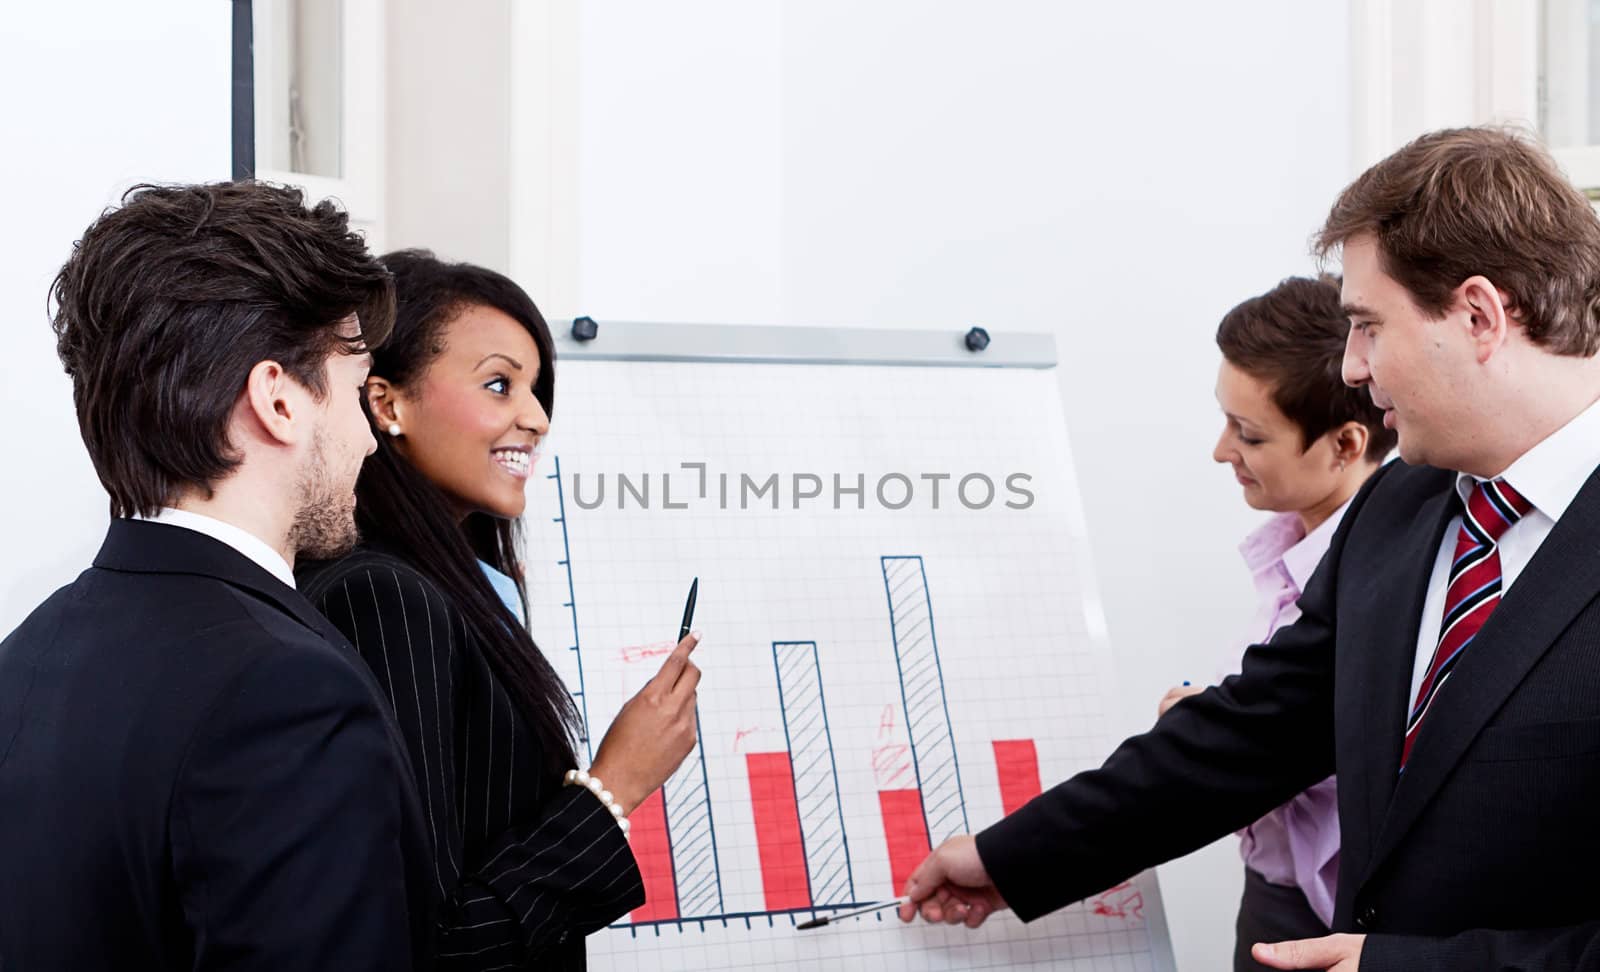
x,y
688,610
869,909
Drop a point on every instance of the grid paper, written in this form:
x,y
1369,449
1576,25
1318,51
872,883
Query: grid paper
x,y
859,618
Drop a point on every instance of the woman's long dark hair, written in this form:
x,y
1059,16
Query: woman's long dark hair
x,y
400,509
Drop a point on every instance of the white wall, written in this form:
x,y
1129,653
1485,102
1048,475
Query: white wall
x,y
1118,174
447,164
101,94
1420,65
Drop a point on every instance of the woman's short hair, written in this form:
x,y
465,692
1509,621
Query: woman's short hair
x,y
1292,337
169,301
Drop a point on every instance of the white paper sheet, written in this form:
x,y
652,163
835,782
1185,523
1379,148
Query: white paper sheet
x,y
863,652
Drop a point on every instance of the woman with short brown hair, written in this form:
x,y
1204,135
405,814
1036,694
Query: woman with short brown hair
x,y
1300,442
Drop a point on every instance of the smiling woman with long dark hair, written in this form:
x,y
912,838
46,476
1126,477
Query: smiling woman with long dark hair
x,y
460,398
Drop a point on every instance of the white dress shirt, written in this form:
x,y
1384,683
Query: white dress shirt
x,y
1549,475
248,544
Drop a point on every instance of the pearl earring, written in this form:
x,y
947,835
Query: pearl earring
x,y
394,429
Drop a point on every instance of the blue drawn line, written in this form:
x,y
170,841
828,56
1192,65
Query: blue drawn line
x,y
697,874
672,857
794,770
916,655
711,824
748,917
816,784
916,769
572,605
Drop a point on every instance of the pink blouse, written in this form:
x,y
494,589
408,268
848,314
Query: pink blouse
x,y
1296,845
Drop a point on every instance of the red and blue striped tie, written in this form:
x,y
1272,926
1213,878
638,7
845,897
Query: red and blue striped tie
x,y
1473,592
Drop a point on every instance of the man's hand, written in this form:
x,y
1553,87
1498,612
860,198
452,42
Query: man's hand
x,y
1175,695
952,887
1336,953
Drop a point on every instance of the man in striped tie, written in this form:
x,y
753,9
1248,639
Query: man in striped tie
x,y
1447,659
1472,591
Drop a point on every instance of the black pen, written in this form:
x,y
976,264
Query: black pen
x,y
864,910
688,610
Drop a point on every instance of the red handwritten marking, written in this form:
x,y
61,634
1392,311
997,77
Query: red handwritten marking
x,y
739,734
886,721
639,653
891,764
1122,901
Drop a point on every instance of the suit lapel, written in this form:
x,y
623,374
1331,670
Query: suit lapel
x,y
1384,646
1560,580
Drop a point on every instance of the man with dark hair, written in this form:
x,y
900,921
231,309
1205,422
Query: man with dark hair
x,y
196,771
1447,658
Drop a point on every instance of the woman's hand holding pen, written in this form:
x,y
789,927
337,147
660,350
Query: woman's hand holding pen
x,y
653,732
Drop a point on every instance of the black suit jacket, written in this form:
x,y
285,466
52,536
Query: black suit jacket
x,y
196,772
1484,854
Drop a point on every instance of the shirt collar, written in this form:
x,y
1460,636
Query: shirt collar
x,y
1551,473
1282,540
1267,543
1302,559
506,587
246,543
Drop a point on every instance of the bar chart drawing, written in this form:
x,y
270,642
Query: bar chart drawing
x,y
673,839
797,807
796,801
905,832
1016,763
785,879
571,605
693,836
652,850
814,773
673,832
933,748
882,676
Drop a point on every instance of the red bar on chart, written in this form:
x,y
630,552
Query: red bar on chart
x,y
906,832
652,848
1018,764
783,852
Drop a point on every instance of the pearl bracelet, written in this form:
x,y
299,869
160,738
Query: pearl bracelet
x,y
578,777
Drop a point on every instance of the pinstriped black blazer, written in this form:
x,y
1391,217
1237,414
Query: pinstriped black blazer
x,y
526,867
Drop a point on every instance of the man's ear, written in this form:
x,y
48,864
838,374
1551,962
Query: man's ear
x,y
277,402
1489,312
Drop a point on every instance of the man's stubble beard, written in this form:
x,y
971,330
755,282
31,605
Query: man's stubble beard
x,y
325,523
